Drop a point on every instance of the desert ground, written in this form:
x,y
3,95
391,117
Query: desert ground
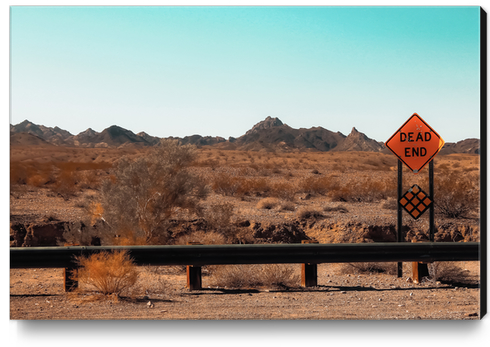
x,y
329,197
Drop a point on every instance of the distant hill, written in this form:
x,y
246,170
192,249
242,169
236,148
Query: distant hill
x,y
53,135
466,146
273,134
115,136
152,140
357,141
27,139
270,134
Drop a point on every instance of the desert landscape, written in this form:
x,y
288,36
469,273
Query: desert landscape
x,y
274,184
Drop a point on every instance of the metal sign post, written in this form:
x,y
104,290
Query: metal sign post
x,y
431,208
399,215
415,144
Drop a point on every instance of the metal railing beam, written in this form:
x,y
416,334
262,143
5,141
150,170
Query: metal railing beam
x,y
64,257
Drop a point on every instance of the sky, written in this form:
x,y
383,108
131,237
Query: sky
x,y
217,71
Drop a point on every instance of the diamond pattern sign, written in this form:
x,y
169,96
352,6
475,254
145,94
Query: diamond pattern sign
x,y
415,201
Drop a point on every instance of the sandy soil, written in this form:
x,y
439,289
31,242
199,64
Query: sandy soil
x,y
38,294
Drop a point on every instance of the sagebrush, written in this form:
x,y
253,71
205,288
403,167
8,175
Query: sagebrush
x,y
107,272
147,191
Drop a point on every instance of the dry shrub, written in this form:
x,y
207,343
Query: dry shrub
x,y
339,208
283,190
94,211
218,217
442,167
368,267
256,275
33,174
230,185
367,190
147,191
65,184
79,233
254,186
244,236
308,212
287,206
89,180
18,173
316,185
226,184
268,203
64,175
39,180
380,163
448,272
125,236
151,280
456,195
108,272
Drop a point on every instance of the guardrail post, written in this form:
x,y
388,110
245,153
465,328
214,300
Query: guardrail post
x,y
309,271
419,269
194,279
70,279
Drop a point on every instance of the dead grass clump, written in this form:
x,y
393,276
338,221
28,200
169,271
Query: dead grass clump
x,y
107,272
287,206
455,195
256,275
66,182
283,190
390,204
339,208
125,236
306,213
32,174
379,163
367,190
268,203
89,180
254,186
316,185
218,215
65,178
226,184
151,280
368,267
448,272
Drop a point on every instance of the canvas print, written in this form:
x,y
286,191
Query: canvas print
x,y
246,162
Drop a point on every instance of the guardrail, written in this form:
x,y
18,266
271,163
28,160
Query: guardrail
x,y
195,256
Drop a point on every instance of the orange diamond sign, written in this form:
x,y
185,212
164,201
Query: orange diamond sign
x,y
415,143
415,201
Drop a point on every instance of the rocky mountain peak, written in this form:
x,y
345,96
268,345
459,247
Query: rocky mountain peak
x,y
267,123
357,141
89,131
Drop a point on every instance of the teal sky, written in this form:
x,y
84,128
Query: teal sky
x,y
177,71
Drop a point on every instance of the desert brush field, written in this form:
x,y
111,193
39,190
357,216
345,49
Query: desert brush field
x,y
85,196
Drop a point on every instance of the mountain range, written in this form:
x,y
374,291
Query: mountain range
x,y
269,134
